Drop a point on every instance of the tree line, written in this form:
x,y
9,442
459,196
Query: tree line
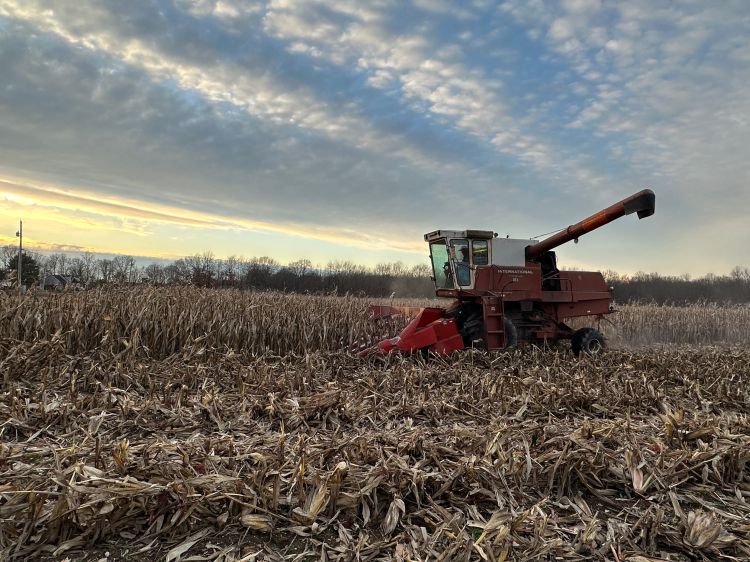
x,y
382,280
205,270
666,289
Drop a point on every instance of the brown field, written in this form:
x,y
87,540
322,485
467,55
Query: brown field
x,y
184,424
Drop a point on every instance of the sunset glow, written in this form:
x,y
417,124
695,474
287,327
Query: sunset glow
x,y
345,130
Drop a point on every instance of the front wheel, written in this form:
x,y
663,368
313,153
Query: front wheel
x,y
511,334
588,341
472,331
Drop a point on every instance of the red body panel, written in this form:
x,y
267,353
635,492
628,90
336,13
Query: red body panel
x,y
378,311
429,330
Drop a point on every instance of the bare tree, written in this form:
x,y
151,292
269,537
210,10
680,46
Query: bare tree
x,y
230,271
124,269
104,267
202,269
8,253
258,271
300,268
420,271
178,272
120,267
51,264
76,269
87,267
740,273
61,265
156,273
44,267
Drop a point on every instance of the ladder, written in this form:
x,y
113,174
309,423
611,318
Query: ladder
x,y
493,311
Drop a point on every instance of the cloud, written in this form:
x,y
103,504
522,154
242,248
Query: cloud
x,y
33,244
668,96
366,124
30,195
146,214
433,77
230,86
581,6
561,29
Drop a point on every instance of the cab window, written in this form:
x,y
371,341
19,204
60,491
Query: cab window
x,y
460,251
479,252
441,269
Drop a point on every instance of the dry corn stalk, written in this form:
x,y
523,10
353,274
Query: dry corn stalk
x,y
219,412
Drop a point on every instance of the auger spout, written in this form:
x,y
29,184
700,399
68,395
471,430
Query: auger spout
x,y
643,203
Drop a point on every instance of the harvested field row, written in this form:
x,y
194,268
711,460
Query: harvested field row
x,y
522,456
148,322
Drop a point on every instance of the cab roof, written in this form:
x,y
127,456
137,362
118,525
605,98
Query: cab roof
x,y
476,234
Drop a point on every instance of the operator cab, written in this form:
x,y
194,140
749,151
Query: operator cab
x,y
455,255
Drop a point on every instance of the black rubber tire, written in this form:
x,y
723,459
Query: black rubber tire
x,y
511,334
469,319
588,341
472,332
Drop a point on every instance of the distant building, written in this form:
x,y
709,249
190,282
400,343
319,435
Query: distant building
x,y
61,283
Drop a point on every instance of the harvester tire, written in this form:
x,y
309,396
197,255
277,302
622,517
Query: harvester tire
x,y
588,341
511,334
472,332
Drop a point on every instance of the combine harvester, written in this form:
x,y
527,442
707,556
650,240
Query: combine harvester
x,y
508,291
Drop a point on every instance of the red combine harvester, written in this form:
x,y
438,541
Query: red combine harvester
x,y
508,291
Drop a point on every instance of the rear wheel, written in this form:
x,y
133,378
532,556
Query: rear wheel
x,y
588,341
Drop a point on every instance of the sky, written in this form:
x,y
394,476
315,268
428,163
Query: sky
x,y
345,130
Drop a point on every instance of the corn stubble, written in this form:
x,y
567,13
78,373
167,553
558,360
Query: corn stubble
x,y
182,422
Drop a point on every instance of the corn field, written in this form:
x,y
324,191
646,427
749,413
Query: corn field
x,y
698,324
157,322
186,424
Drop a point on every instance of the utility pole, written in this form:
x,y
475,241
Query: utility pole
x,y
20,253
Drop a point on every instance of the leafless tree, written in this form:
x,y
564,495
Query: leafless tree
x,y
124,269
259,271
87,267
104,269
61,263
300,268
229,271
8,253
155,273
82,268
740,273
202,269
178,272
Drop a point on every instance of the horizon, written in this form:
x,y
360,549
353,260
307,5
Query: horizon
x,y
144,261
343,131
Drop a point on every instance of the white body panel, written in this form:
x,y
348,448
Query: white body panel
x,y
475,234
510,251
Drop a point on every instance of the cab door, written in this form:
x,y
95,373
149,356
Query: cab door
x,y
461,258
